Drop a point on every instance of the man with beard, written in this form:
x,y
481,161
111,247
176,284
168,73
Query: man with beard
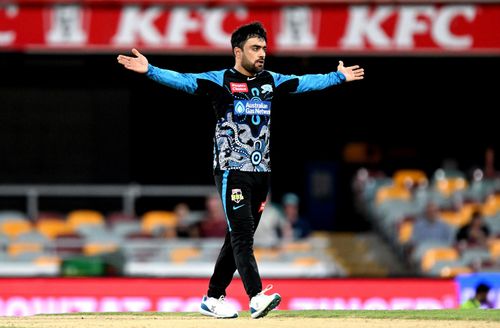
x,y
242,98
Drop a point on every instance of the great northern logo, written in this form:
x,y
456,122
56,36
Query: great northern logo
x,y
252,107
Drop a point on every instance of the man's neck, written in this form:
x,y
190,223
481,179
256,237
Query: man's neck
x,y
243,71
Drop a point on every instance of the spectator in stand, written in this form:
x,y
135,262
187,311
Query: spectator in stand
x,y
296,227
271,226
429,227
475,233
187,222
214,222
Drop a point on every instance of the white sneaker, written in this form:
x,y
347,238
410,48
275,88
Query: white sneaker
x,y
261,304
217,308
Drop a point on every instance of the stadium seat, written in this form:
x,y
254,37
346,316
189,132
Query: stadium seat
x,y
448,186
297,246
491,206
409,178
305,261
95,248
391,193
266,254
52,227
183,254
494,248
15,227
78,217
17,248
153,220
47,260
458,218
405,230
434,255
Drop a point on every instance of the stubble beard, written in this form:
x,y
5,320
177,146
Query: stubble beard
x,y
252,67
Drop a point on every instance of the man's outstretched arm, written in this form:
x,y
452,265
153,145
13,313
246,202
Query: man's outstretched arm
x,y
313,82
187,82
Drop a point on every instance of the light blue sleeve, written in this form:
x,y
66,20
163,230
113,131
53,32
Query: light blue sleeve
x,y
187,82
309,82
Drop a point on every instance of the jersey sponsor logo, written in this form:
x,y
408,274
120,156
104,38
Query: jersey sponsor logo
x,y
236,207
267,88
252,107
238,87
236,195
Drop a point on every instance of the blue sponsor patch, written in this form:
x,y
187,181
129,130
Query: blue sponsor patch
x,y
252,107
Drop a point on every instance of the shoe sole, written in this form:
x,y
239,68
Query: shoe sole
x,y
210,314
274,303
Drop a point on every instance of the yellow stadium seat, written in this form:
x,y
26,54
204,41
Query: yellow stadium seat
x,y
99,248
51,228
47,260
152,219
434,255
409,178
77,218
447,186
16,248
494,248
262,253
180,255
305,261
297,246
15,227
405,231
491,205
391,192
456,218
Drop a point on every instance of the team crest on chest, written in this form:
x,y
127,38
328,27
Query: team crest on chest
x,y
236,195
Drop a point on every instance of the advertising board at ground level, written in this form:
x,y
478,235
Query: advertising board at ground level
x,y
28,296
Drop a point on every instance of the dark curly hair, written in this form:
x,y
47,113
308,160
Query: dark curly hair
x,y
245,32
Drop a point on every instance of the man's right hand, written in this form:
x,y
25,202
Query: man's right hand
x,y
137,64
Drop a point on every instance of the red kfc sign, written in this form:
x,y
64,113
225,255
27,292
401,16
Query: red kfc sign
x,y
313,29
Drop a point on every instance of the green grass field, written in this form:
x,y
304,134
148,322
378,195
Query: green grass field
x,y
275,319
455,314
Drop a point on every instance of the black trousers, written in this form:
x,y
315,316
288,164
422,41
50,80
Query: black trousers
x,y
243,197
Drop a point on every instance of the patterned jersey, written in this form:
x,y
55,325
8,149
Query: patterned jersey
x,y
243,109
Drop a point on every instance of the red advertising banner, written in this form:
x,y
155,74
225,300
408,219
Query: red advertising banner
x,y
358,29
27,296
254,3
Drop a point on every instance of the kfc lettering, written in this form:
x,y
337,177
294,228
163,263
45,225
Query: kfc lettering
x,y
364,29
365,26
